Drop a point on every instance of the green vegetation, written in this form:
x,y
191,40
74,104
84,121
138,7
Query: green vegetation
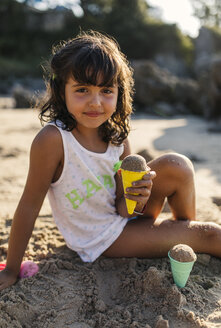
x,y
14,67
208,12
28,34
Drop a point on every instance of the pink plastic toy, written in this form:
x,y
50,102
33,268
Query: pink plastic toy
x,y
2,266
28,269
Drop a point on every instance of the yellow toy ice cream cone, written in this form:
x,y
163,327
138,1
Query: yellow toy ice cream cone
x,y
128,177
133,168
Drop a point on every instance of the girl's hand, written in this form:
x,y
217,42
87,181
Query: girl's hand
x,y
7,278
143,190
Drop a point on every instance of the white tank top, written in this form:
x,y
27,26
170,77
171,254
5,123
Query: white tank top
x,y
83,198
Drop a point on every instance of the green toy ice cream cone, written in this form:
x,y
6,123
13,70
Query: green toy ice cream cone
x,y
182,259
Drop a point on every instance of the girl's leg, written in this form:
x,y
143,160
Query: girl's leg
x,y
149,238
174,181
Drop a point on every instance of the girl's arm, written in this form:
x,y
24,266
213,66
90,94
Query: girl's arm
x,y
46,158
143,189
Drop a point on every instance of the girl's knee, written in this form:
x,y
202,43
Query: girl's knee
x,y
177,164
208,233
212,230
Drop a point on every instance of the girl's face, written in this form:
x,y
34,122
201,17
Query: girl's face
x,y
90,105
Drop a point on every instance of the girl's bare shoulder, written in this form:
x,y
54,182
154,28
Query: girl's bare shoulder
x,y
49,134
48,142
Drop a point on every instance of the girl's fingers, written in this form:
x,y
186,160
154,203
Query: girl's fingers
x,y
142,188
140,191
140,184
151,175
137,198
146,180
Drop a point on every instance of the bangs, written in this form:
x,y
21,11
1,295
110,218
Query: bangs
x,y
94,67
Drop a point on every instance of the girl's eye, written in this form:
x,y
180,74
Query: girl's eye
x,y
81,90
107,91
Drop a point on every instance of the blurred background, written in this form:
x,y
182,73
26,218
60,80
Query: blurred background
x,y
173,46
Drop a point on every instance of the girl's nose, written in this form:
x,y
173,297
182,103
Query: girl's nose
x,y
95,100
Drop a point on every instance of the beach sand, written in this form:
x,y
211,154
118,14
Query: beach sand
x,y
124,293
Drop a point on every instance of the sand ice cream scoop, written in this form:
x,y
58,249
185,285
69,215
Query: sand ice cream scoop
x,y
182,253
133,168
135,163
182,258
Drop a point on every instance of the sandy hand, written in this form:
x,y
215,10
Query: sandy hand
x,y
7,278
133,168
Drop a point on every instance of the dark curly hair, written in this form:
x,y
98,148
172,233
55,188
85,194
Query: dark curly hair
x,y
86,58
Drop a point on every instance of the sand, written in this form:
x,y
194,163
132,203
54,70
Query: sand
x,y
116,293
135,163
183,253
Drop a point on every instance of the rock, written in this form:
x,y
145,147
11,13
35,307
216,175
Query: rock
x,y
164,109
216,200
207,68
23,97
187,92
204,50
152,83
146,154
214,90
172,63
210,87
158,87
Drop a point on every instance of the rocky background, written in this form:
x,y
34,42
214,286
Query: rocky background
x,y
166,88
174,73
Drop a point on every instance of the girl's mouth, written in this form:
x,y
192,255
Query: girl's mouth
x,y
93,114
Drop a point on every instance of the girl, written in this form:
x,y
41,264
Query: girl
x,y
72,158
